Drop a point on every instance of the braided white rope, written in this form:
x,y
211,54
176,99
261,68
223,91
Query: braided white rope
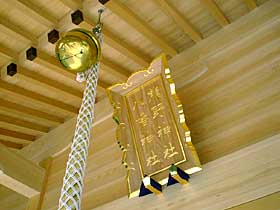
x,y
71,191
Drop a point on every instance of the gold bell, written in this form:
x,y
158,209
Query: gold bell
x,y
78,50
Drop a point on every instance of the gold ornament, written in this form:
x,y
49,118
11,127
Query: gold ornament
x,y
78,50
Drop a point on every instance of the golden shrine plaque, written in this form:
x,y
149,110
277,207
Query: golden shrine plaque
x,y
151,126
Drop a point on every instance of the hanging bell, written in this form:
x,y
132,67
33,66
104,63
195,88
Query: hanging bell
x,y
78,50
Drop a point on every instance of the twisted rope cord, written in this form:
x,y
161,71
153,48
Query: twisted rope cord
x,y
71,191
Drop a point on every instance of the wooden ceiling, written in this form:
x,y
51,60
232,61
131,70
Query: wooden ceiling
x,y
41,95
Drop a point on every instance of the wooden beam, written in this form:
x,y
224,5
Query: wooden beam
x,y
25,74
23,123
30,111
13,89
73,4
15,134
113,41
60,138
50,62
269,202
125,49
179,19
5,51
11,144
34,11
221,184
215,11
251,4
112,67
19,174
13,30
127,15
53,64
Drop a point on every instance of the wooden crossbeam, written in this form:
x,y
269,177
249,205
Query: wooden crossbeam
x,y
132,19
73,4
251,4
11,144
8,52
23,123
34,11
14,30
52,63
23,73
215,11
15,134
30,111
48,145
113,67
112,40
179,19
13,89
19,174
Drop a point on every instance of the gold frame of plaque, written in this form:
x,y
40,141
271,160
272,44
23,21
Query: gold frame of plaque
x,y
151,128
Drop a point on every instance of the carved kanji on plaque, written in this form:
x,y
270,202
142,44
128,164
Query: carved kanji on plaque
x,y
151,126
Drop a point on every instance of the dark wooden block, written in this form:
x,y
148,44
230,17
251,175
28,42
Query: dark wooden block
x,y
77,17
103,1
53,36
31,53
12,69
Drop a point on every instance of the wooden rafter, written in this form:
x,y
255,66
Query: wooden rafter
x,y
20,174
23,73
215,11
73,4
23,123
113,41
113,67
11,144
179,19
13,89
30,111
251,4
52,63
60,138
34,11
8,52
15,134
14,30
132,19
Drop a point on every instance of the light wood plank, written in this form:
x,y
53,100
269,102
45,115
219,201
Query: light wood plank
x,y
73,4
179,19
27,74
13,89
15,134
50,145
11,144
19,174
113,41
53,64
251,4
30,111
34,11
23,123
127,15
215,11
221,184
269,202
113,68
14,30
5,51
